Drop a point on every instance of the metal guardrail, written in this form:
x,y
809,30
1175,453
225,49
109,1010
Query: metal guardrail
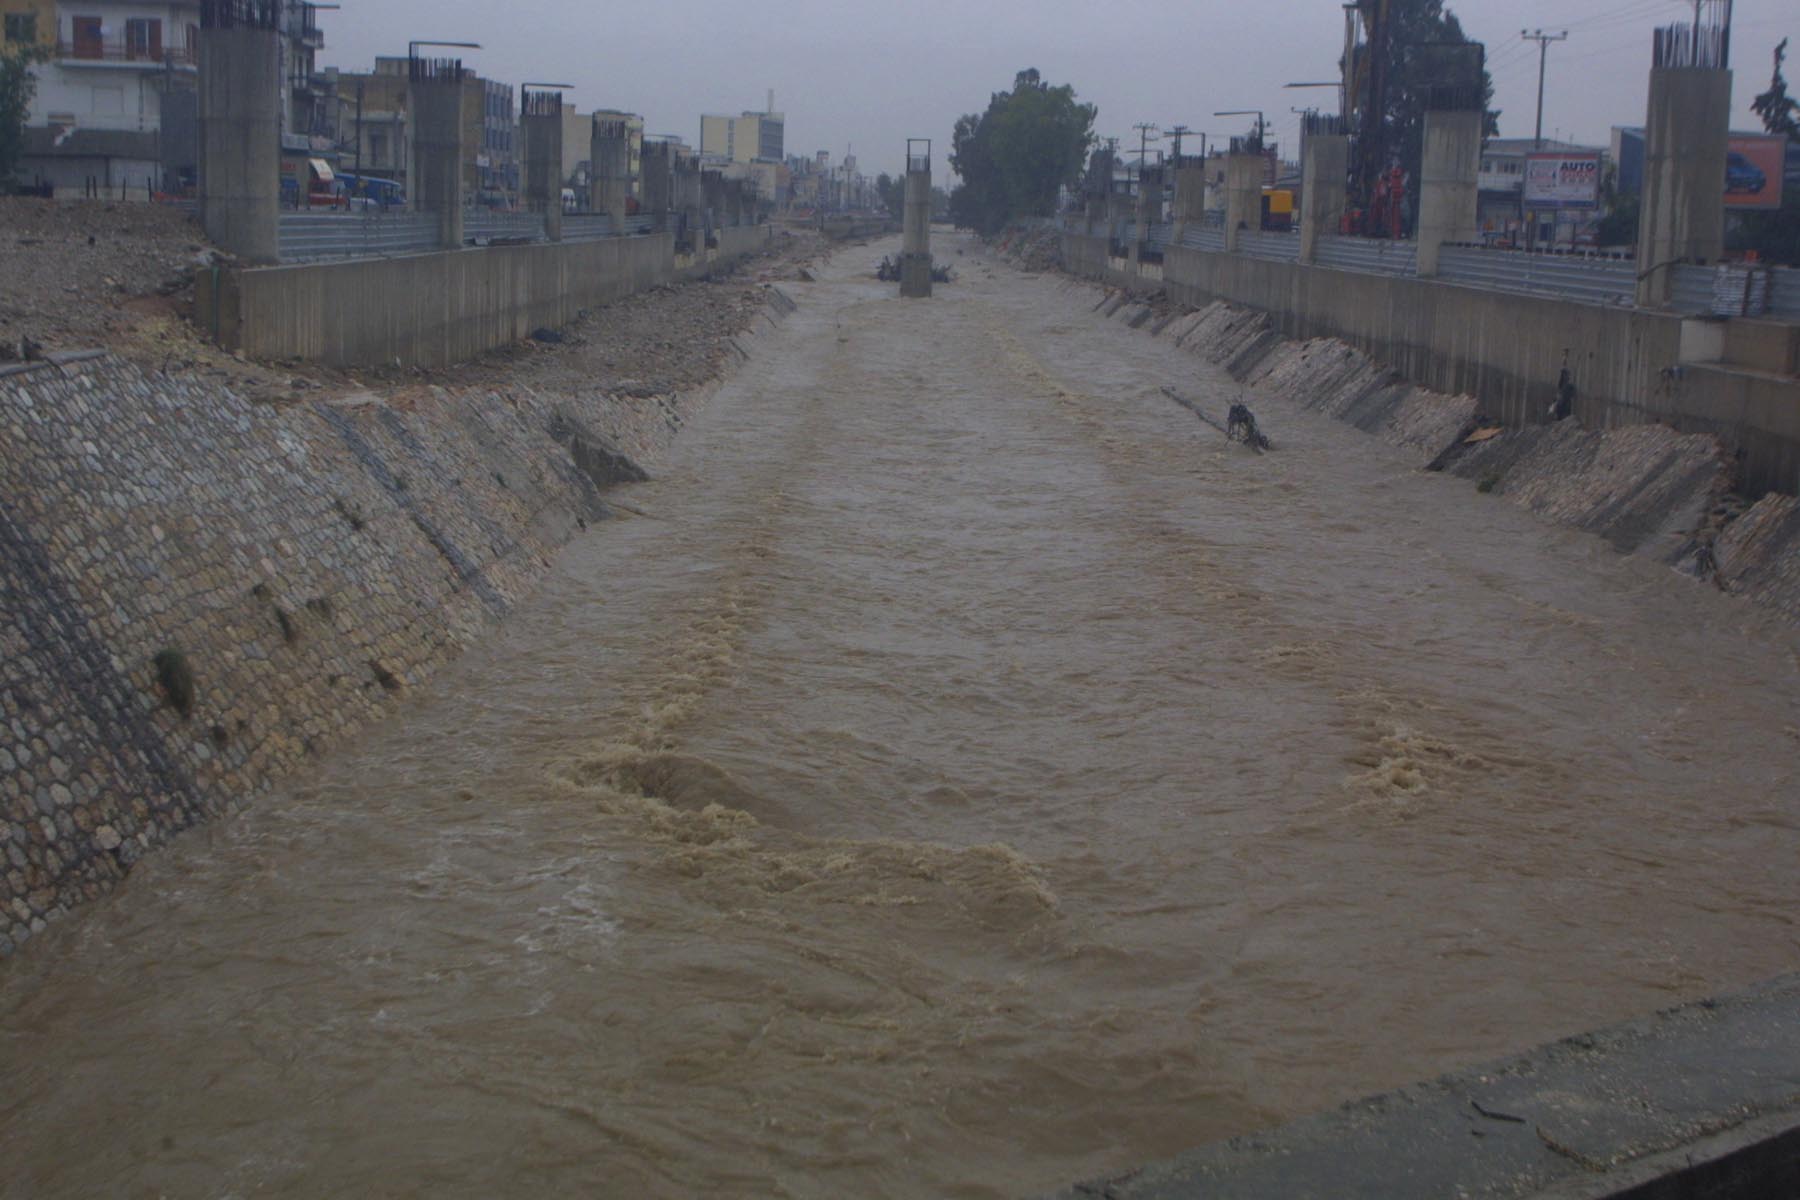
x,y
586,227
305,237
1692,288
1584,278
1592,280
1380,256
1276,247
1200,237
639,223
1784,300
486,225
1160,236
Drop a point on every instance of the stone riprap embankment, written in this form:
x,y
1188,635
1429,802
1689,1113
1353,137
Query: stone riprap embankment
x,y
198,591
1646,489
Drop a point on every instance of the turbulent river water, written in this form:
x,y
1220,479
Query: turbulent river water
x,y
967,774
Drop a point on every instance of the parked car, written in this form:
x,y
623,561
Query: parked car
x,y
1743,176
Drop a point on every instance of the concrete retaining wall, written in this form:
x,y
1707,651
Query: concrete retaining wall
x,y
1648,489
304,564
1502,348
442,308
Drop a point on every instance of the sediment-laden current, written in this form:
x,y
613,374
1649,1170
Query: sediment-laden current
x,y
967,774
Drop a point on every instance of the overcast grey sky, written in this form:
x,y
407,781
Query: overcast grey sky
x,y
872,75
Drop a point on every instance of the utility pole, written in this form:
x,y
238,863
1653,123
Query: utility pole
x,y
1543,40
1175,131
1144,129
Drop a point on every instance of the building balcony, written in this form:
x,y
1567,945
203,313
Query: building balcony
x,y
117,52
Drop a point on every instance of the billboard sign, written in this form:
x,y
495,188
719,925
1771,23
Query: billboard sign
x,y
1753,169
1569,180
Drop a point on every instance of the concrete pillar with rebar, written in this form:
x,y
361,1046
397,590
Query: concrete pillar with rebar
x,y
1324,171
657,163
609,166
1449,176
240,127
542,132
689,206
915,227
1190,195
712,198
1243,194
1686,134
1149,206
435,178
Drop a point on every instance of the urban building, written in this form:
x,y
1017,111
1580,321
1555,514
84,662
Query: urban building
x,y
97,120
497,156
115,110
748,137
369,116
1500,200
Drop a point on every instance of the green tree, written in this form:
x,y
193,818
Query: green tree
x,y
1014,158
1779,111
17,85
893,194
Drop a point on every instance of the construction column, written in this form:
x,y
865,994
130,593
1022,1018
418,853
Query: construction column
x,y
915,234
1190,194
1686,130
240,128
542,131
1149,206
1324,171
435,180
609,153
657,164
1449,175
1243,192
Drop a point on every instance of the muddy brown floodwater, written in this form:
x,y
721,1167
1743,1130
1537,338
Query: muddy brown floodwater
x,y
969,774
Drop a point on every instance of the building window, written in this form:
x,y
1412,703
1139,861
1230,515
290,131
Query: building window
x,y
21,27
143,38
86,32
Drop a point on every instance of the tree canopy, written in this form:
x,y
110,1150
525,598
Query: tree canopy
x,y
16,88
1429,52
1774,235
892,191
1014,158
1779,111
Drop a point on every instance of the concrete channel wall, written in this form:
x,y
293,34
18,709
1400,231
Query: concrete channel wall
x,y
198,593
441,308
1630,366
1692,1103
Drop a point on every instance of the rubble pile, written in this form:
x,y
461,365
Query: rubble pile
x,y
1032,249
79,274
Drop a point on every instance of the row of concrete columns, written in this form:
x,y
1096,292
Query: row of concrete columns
x,y
1681,220
240,160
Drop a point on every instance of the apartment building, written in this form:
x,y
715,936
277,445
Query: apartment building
x,y
116,68
115,107
748,137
